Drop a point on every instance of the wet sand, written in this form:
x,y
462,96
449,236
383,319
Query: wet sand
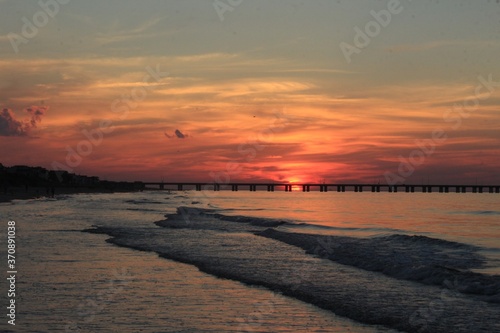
x,y
76,282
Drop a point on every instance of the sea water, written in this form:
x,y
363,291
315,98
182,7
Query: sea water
x,y
70,281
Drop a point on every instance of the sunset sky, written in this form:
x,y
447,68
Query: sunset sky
x,y
255,90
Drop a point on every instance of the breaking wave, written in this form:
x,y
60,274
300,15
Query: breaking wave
x,y
406,282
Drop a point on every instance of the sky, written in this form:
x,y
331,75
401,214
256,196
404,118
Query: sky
x,y
394,91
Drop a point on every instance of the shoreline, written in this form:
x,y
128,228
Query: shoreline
x,y
21,193
122,290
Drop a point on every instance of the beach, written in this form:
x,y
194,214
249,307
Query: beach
x,y
78,282
169,262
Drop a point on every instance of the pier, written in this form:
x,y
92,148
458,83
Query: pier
x,y
310,187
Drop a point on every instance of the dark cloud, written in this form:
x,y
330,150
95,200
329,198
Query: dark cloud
x,y
10,126
177,134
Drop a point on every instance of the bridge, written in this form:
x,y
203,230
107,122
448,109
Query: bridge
x,y
308,187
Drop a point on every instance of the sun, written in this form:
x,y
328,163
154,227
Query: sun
x,y
295,180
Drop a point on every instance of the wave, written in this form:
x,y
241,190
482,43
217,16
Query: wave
x,y
312,226
272,222
243,209
142,210
187,212
145,201
417,258
422,259
349,284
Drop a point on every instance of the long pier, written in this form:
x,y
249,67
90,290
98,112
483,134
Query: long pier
x,y
308,187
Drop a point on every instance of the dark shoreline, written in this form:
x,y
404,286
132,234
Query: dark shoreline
x,y
21,193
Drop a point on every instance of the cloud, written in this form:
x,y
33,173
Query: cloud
x,y
10,126
177,134
142,31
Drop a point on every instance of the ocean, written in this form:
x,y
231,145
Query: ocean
x,y
159,261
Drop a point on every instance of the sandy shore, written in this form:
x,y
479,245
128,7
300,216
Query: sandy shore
x,y
21,193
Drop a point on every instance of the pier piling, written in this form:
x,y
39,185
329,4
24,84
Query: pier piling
x,y
306,187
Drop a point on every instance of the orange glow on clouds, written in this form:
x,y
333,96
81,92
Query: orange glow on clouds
x,y
339,122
